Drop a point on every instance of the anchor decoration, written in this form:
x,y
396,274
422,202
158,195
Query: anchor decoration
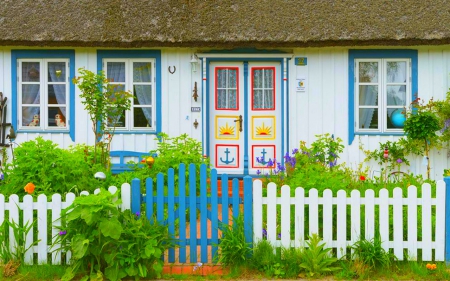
x,y
227,161
262,159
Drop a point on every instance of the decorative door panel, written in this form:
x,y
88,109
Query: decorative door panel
x,y
244,119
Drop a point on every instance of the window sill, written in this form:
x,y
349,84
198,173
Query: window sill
x,y
380,133
43,131
134,132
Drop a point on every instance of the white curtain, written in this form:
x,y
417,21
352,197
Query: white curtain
x,y
30,92
60,90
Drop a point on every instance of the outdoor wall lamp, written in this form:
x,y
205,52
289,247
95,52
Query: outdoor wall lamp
x,y
194,62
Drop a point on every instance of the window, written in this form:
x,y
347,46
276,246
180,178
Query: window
x,y
381,84
227,88
139,72
43,96
135,75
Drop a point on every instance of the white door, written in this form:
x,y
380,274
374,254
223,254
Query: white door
x,y
244,116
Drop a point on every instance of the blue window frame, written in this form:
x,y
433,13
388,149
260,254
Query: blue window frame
x,y
138,71
43,95
381,84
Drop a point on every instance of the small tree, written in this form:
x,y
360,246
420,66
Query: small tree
x,y
421,126
103,102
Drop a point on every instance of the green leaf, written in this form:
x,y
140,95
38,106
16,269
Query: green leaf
x,y
112,228
79,246
112,272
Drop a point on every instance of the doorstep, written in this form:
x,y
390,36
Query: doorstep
x,y
193,269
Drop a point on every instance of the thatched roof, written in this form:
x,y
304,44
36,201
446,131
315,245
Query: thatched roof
x,y
223,23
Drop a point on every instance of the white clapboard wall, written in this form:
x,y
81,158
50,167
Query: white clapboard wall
x,y
26,210
391,234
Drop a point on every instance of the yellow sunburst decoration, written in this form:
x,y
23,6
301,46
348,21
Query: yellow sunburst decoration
x,y
263,130
226,130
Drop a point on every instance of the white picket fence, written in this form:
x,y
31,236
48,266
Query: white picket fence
x,y
28,207
355,201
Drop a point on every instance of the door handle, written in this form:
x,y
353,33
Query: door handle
x,y
240,122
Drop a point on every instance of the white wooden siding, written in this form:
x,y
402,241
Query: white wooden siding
x,y
322,108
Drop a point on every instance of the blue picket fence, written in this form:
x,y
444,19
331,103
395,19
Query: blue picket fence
x,y
171,208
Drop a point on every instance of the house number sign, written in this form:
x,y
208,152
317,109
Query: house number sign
x,y
195,109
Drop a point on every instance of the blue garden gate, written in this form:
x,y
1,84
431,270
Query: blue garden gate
x,y
171,207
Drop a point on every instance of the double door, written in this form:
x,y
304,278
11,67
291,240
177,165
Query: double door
x,y
245,116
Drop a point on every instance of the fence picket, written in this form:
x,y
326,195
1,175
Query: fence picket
x,y
257,211
56,214
214,214
285,216
272,212
328,218
398,223
28,220
171,209
193,214
224,200
42,228
369,211
412,221
182,211
313,212
426,219
203,216
299,217
440,217
125,196
384,218
235,197
70,197
149,190
13,218
355,219
341,224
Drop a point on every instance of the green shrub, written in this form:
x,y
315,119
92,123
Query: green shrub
x,y
233,249
50,168
107,242
371,253
316,259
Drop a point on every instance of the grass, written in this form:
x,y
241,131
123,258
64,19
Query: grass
x,y
36,273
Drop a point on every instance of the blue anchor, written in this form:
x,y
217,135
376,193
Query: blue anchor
x,y
263,152
226,160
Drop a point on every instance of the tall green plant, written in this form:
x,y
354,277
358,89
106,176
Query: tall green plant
x,y
233,249
317,259
421,126
104,102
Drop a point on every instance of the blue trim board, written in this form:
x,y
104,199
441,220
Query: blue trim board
x,y
246,93
284,91
447,221
132,54
43,54
376,54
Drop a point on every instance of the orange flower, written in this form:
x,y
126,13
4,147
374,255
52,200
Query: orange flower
x,y
29,188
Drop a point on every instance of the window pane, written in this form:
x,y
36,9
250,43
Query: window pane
x,y
232,79
119,122
221,99
395,118
57,116
396,71
142,117
368,72
142,94
257,78
116,71
268,78
222,78
142,72
56,72
57,94
257,99
396,95
268,98
30,94
232,103
31,116
368,95
368,118
30,72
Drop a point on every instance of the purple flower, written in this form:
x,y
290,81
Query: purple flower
x,y
333,163
258,160
138,214
399,161
61,233
295,151
2,177
446,125
264,233
258,172
270,163
279,236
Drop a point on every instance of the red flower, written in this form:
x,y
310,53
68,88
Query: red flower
x,y
362,178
